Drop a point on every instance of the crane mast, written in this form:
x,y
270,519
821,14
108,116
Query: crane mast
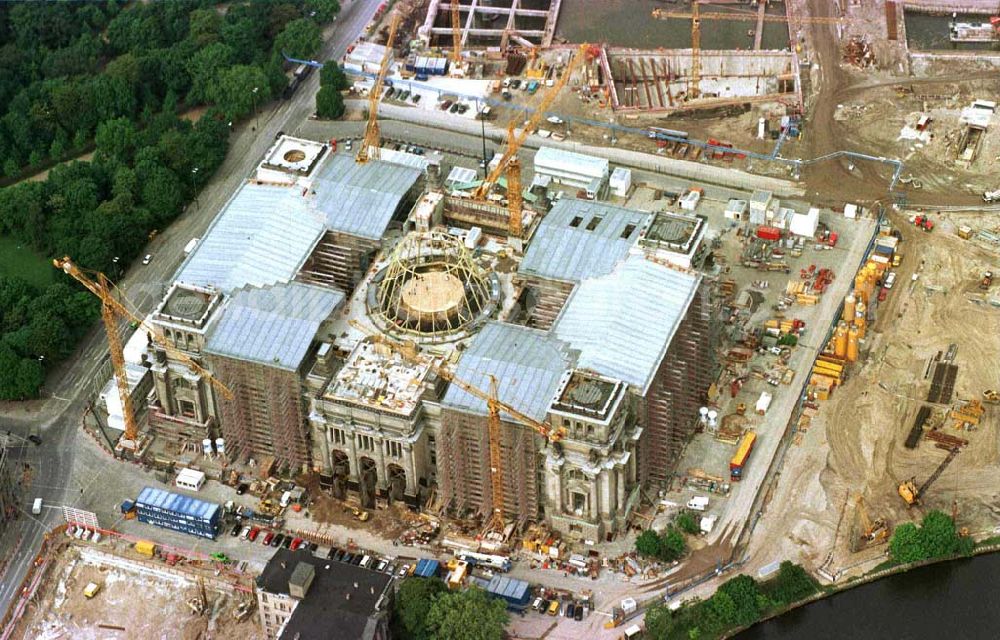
x,y
456,33
369,147
516,141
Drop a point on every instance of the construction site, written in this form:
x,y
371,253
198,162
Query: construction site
x,y
644,299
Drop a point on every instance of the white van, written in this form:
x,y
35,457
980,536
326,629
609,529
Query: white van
x,y
36,508
286,498
698,503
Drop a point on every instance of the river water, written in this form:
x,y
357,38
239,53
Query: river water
x,y
952,601
627,23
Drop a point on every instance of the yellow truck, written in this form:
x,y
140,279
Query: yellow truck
x,y
91,589
145,547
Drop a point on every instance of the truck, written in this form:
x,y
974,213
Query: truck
x,y
91,590
741,456
991,196
189,247
698,503
36,508
987,281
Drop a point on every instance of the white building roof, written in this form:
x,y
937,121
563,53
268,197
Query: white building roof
x,y
581,239
360,199
561,161
527,363
622,323
272,325
262,236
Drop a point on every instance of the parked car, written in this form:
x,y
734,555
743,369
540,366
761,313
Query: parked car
x,y
331,553
287,542
35,440
148,258
312,547
570,610
389,92
454,108
242,488
579,612
296,543
462,108
235,531
403,96
515,84
553,608
253,534
405,569
278,540
537,604
416,98
446,105
380,567
268,537
245,533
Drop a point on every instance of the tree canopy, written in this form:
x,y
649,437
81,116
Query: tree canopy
x,y
425,610
413,601
935,537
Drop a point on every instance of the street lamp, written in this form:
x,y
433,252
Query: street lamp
x,y
114,261
194,177
254,98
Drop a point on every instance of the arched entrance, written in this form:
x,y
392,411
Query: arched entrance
x,y
367,481
341,472
397,482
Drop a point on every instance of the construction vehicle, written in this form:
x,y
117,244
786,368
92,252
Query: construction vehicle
x,y
111,310
968,415
987,281
91,590
991,396
922,222
362,516
991,196
494,407
696,16
369,147
872,531
268,507
508,164
908,489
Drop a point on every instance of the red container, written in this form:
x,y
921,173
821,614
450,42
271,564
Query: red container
x,y
768,233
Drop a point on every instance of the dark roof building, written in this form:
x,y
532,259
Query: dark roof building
x,y
305,597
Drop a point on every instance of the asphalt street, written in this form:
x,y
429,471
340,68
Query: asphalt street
x,y
56,475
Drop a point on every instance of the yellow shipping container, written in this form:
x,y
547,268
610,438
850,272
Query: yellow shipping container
x,y
145,547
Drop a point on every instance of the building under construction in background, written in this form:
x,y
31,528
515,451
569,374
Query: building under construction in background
x,y
357,317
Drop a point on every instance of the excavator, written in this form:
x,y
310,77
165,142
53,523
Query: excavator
x,y
872,531
908,489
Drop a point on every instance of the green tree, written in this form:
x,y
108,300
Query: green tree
x,y
239,89
648,543
322,11
299,39
906,544
205,26
413,602
792,584
467,615
658,621
329,103
672,545
687,523
748,600
204,69
20,378
116,141
333,76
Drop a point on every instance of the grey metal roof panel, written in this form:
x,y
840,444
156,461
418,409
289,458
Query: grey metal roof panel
x,y
561,250
177,503
262,236
360,199
272,325
527,364
622,323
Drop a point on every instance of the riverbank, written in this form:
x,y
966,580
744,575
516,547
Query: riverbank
x,y
769,628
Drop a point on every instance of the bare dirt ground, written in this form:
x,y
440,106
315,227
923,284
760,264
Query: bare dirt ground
x,y
855,446
130,604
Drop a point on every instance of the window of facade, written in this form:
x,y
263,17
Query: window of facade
x,y
186,409
394,449
367,443
579,502
339,436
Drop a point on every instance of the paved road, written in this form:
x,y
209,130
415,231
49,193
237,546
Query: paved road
x,y
57,477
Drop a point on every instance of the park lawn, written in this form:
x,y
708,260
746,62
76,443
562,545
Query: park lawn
x,y
19,260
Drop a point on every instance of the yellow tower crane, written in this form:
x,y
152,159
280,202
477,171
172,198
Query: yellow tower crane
x,y
514,143
369,148
456,33
111,309
494,408
696,16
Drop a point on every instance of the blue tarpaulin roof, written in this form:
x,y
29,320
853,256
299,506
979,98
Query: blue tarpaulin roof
x,y
426,568
177,503
514,591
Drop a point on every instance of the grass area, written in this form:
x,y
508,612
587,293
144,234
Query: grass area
x,y
19,260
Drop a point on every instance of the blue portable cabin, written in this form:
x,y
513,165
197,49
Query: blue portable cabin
x,y
178,512
127,506
516,593
440,66
427,568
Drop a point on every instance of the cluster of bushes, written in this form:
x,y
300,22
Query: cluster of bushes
x,y
739,602
936,537
667,546
115,77
329,100
70,66
425,610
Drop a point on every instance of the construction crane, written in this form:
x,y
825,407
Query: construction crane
x,y
871,530
908,489
111,309
494,407
456,33
369,148
696,16
514,143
